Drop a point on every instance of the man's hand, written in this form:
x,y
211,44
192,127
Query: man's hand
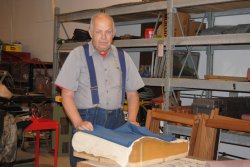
x,y
85,125
134,123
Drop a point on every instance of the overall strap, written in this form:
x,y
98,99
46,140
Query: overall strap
x,y
123,68
92,75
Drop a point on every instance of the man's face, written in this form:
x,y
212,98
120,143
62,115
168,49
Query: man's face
x,y
102,33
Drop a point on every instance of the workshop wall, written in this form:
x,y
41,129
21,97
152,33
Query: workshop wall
x,y
31,22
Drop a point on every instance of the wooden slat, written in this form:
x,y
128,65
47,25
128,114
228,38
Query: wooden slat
x,y
83,164
93,158
148,119
187,119
223,122
152,124
226,78
240,125
205,140
221,117
193,138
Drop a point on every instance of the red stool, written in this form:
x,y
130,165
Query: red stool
x,y
44,124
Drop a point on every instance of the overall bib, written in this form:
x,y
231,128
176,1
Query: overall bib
x,y
110,119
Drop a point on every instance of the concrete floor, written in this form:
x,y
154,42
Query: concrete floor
x,y
46,159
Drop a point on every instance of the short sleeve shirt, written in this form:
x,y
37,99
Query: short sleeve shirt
x,y
74,75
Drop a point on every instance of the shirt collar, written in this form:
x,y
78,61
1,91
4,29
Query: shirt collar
x,y
93,51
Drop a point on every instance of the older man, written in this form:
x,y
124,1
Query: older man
x,y
95,78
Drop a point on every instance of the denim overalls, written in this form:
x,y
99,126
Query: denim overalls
x,y
110,119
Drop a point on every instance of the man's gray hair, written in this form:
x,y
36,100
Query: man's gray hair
x,y
98,14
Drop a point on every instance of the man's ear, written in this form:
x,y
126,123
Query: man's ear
x,y
114,32
90,33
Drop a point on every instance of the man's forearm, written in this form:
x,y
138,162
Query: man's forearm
x,y
133,106
70,108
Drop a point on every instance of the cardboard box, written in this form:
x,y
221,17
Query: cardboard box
x,y
194,26
184,21
12,48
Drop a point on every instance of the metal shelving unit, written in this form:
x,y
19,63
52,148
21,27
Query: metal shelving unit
x,y
142,12
124,14
211,42
201,7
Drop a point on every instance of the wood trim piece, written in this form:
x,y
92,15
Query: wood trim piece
x,y
229,124
187,119
226,78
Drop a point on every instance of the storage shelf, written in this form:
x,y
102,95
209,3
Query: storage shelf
x,y
67,47
201,6
141,11
125,43
154,81
120,13
183,83
198,42
227,41
210,84
243,38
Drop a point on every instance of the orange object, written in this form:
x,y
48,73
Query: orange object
x,y
58,99
44,124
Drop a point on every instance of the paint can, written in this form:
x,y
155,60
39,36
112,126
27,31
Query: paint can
x,y
149,33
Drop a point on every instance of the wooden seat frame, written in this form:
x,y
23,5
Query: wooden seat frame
x,y
204,133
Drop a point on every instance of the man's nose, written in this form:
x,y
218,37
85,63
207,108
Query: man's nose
x,y
104,36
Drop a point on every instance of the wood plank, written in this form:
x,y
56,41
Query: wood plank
x,y
84,164
205,140
226,78
240,125
187,119
223,122
90,163
152,124
93,158
193,137
221,117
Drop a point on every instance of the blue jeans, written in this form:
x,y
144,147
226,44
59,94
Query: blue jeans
x,y
110,119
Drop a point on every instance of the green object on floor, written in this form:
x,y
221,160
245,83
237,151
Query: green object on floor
x,y
25,164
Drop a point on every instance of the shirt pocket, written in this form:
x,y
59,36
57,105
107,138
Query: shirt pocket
x,y
84,79
114,78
